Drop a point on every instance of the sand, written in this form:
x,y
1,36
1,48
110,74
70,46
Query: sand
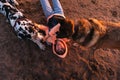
x,y
23,60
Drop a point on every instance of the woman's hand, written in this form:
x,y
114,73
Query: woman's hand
x,y
51,39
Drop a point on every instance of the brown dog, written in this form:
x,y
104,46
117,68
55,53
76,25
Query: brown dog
x,y
93,32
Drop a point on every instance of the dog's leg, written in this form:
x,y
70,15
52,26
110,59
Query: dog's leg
x,y
99,26
95,38
82,39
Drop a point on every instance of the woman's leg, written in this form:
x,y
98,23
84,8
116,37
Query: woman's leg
x,y
47,9
57,7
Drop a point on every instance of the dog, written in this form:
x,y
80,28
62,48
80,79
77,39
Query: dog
x,y
88,31
97,33
24,28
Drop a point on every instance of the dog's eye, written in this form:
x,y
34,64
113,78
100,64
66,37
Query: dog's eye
x,y
31,30
42,32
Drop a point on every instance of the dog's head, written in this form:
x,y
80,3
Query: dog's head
x,y
82,28
26,29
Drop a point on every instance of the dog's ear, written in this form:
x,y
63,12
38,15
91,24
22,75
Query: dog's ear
x,y
82,28
85,26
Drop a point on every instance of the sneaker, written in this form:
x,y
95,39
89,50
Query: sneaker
x,y
60,48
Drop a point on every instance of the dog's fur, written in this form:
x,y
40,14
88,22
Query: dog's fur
x,y
88,31
93,32
24,28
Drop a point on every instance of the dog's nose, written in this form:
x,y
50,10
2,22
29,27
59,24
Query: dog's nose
x,y
42,41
